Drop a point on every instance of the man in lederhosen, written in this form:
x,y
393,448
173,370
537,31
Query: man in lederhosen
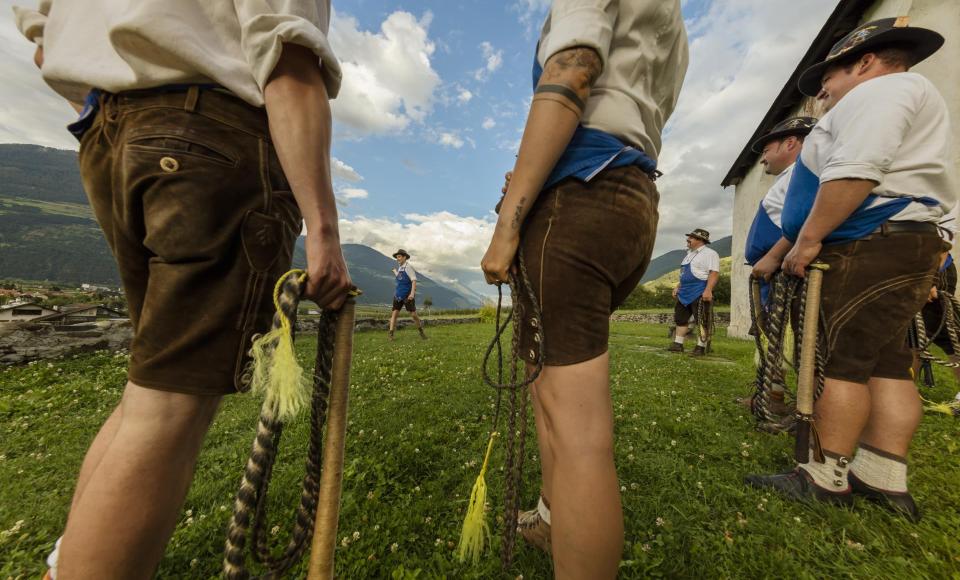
x,y
699,273
406,292
873,179
766,246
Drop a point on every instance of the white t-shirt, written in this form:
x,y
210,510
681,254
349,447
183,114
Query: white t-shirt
x,y
409,270
894,130
121,45
702,261
773,201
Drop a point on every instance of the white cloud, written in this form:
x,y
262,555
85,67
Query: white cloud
x,y
488,123
443,244
493,60
451,139
532,13
388,79
731,82
343,171
354,193
464,96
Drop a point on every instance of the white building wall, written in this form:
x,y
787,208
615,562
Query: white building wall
x,y
943,70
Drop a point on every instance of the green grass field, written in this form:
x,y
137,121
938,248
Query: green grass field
x,y
419,418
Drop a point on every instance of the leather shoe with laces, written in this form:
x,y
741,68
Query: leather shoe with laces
x,y
799,485
898,502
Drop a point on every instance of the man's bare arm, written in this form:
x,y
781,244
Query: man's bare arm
x,y
298,110
556,110
835,202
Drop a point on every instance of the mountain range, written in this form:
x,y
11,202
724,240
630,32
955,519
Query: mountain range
x,y
47,232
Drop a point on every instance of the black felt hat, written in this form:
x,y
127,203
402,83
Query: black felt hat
x,y
700,234
919,42
792,126
401,252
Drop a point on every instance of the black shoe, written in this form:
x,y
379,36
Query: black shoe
x,y
675,347
698,351
898,502
799,485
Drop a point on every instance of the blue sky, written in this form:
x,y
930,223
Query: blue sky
x,y
434,100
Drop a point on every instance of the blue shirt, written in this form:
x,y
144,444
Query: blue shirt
x,y
590,151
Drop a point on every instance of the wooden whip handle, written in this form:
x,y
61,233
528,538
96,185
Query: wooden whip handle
x,y
331,478
806,375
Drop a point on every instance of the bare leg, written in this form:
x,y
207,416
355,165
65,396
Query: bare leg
x,y
681,331
130,504
575,416
416,319
841,415
393,320
543,441
895,414
96,452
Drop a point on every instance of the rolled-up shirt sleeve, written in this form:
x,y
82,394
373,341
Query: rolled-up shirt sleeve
x,y
265,25
869,125
581,23
31,21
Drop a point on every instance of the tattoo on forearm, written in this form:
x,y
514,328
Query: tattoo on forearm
x,y
518,214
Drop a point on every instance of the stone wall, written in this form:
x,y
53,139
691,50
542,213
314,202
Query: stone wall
x,y
22,342
720,318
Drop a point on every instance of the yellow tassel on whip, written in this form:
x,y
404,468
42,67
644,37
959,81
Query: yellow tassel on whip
x,y
476,531
276,373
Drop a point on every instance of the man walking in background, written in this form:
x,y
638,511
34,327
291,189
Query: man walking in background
x,y
406,292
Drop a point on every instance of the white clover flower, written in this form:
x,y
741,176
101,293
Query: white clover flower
x,y
356,536
393,547
660,521
274,530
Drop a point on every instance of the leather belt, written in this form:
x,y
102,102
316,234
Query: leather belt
x,y
892,227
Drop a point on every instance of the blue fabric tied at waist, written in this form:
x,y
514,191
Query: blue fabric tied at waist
x,y
590,151
691,287
802,192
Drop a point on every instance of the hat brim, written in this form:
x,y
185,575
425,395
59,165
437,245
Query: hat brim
x,y
404,254
701,238
760,143
920,42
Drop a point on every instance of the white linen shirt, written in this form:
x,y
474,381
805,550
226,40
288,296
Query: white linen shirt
x,y
409,270
120,45
773,201
702,261
893,130
643,46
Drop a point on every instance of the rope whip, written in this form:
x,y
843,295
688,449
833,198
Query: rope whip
x,y
475,529
706,324
274,362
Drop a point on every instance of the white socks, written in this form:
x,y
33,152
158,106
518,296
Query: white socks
x,y
880,469
543,510
700,343
831,475
53,558
679,339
